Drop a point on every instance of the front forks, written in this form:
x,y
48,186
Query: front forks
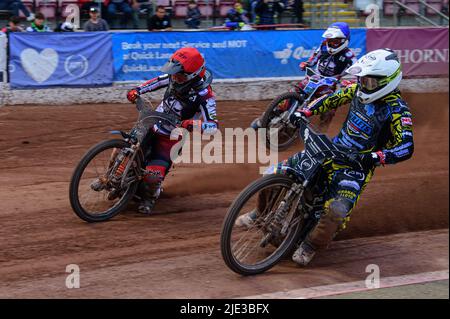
x,y
284,214
116,177
101,182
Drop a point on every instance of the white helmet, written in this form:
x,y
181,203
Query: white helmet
x,y
379,73
337,37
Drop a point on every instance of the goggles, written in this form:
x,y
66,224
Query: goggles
x,y
372,83
335,43
180,77
369,84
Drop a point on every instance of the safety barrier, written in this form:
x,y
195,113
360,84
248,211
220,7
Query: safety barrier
x,y
96,59
246,65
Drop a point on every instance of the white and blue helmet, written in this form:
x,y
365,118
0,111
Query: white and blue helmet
x,y
337,37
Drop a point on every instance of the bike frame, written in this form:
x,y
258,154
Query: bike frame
x,y
310,90
318,149
316,82
146,120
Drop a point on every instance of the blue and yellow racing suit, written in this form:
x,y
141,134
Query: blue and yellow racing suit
x,y
384,126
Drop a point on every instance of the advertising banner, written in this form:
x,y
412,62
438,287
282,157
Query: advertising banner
x,y
60,59
229,55
422,51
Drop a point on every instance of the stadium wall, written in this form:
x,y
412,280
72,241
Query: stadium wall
x,y
224,90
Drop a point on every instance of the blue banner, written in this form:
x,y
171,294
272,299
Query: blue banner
x,y
229,55
60,59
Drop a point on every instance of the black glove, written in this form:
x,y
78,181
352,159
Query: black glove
x,y
296,117
368,160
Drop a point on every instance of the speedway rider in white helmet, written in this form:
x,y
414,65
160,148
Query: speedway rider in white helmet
x,y
331,59
378,130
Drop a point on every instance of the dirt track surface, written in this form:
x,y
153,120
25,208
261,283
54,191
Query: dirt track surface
x,y
175,253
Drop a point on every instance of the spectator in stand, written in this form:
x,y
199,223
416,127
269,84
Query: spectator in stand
x,y
120,6
193,15
237,17
88,4
267,9
246,4
253,16
15,6
141,6
102,7
160,21
13,25
298,10
444,9
38,25
65,27
95,23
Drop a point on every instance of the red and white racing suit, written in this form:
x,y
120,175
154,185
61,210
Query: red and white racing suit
x,y
196,102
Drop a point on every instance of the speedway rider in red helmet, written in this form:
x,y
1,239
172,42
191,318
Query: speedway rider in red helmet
x,y
188,95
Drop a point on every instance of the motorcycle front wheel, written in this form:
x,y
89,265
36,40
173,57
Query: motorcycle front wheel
x,y
92,197
250,249
275,121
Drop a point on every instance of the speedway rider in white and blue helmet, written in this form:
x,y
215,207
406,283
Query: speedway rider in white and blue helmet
x,y
331,59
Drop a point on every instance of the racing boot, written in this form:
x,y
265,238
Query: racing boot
x,y
304,254
247,219
98,184
149,193
324,232
256,124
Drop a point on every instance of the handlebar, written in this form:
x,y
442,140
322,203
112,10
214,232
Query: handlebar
x,y
339,80
310,72
146,113
140,104
148,118
344,151
347,157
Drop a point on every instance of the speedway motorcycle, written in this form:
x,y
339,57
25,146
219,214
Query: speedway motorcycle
x,y
276,116
287,206
108,175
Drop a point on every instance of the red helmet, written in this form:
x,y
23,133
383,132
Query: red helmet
x,y
184,65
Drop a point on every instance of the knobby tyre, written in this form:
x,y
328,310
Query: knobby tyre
x,y
290,135
286,246
77,207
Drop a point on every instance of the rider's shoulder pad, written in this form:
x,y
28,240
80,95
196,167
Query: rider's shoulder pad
x,y
163,77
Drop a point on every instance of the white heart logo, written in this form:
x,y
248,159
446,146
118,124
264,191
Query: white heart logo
x,y
39,66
